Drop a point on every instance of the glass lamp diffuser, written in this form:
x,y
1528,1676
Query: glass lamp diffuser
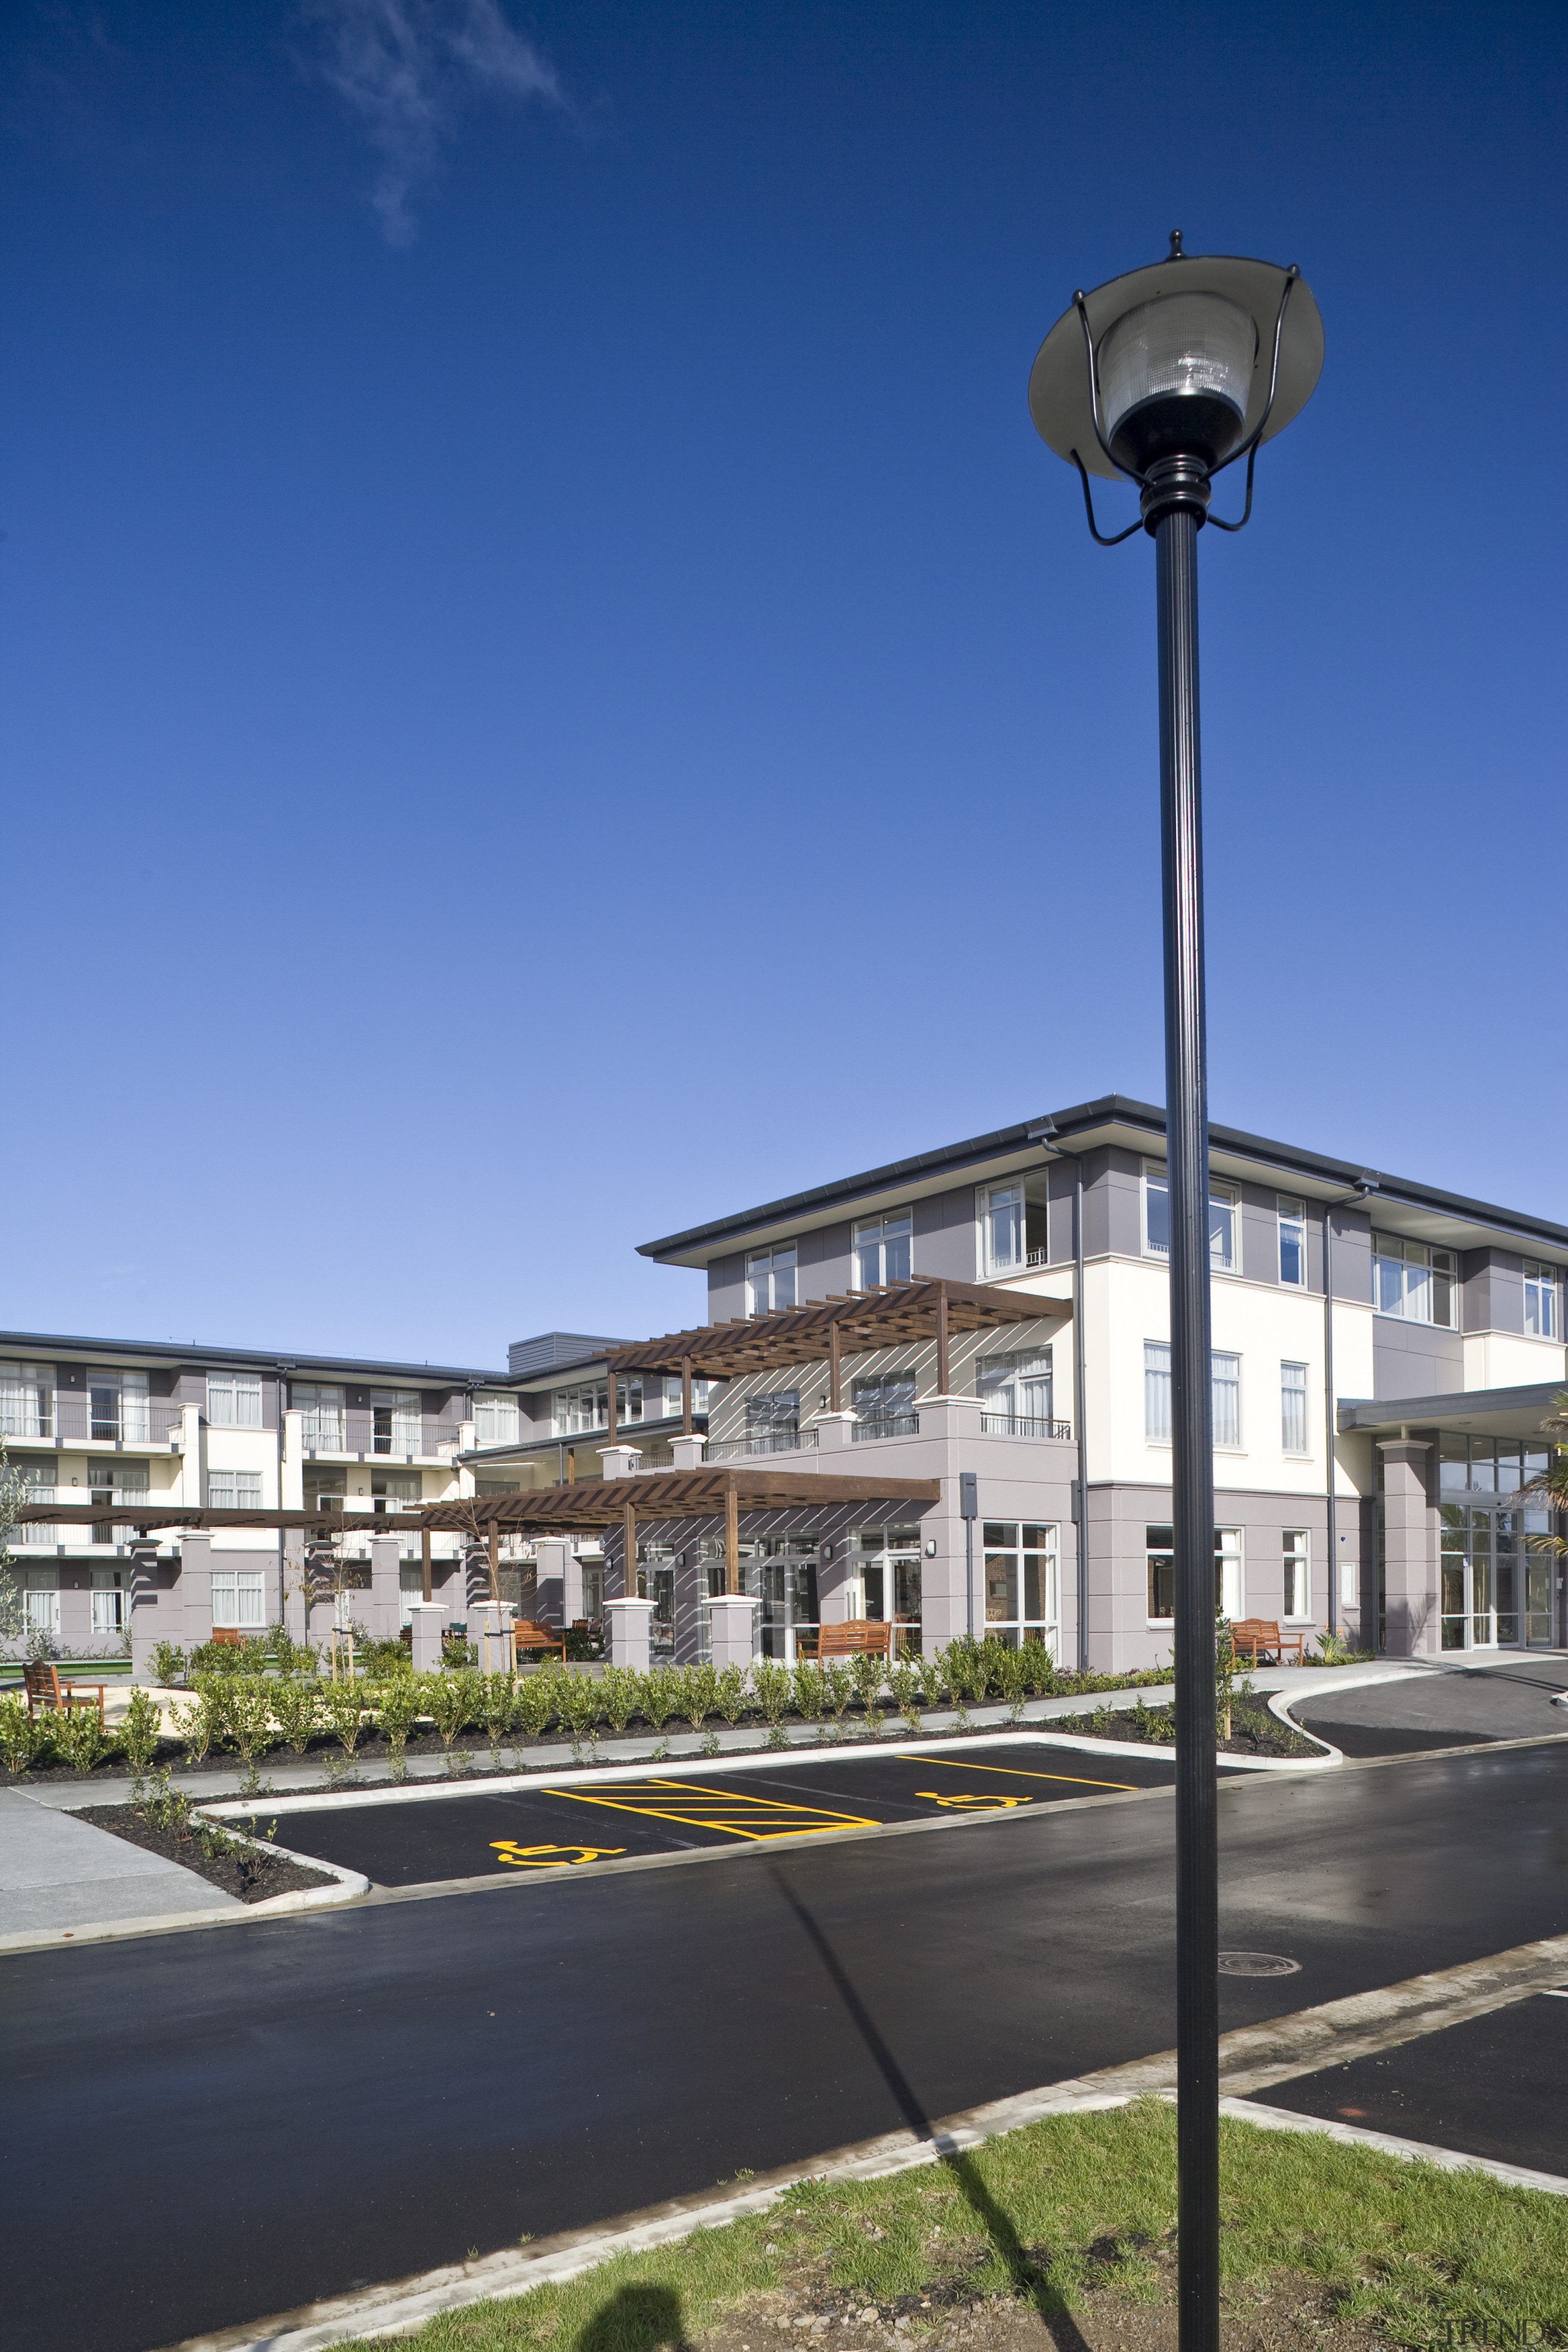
x,y
1175,375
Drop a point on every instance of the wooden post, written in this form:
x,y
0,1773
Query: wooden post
x,y
614,1401
571,1466
630,1552
731,1540
834,1385
426,1593
942,1339
686,1396
495,1560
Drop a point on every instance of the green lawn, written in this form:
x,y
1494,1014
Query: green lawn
x,y
1076,2203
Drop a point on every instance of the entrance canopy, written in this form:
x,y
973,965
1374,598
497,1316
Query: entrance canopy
x,y
893,1316
1478,1412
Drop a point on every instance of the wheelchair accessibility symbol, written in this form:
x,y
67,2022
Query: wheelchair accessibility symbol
x,y
551,1857
981,1803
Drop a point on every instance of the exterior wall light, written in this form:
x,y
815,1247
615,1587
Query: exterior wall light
x,y
1162,378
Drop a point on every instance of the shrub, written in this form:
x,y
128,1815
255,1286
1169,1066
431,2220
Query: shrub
x,y
297,1709
535,1700
618,1696
291,1657
343,1712
732,1694
772,1685
205,1722
837,1689
247,1657
698,1694
450,1703
1039,1668
810,1694
577,1704
79,1736
168,1663
497,1701
21,1734
1013,1671
399,1703
658,1694
904,1682
250,1714
868,1672
141,1729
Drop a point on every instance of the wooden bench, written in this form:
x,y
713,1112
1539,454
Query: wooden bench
x,y
228,1637
44,1688
526,1635
854,1637
1251,1636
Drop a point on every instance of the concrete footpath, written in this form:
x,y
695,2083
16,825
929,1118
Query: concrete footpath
x,y
58,1874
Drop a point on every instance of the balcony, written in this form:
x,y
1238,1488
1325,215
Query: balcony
x,y
372,1436
776,1441
1010,1424
901,1425
132,1420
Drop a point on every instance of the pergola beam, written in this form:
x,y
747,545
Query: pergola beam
x,y
898,1315
698,1494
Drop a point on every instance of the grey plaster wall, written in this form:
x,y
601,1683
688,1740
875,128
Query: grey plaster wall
x,y
1122,1638
1260,1222
1059,1187
1113,1204
1414,1359
1353,1255
1493,1282
727,1288
944,1236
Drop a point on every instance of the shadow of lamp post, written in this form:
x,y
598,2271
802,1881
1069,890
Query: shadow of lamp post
x,y
1162,378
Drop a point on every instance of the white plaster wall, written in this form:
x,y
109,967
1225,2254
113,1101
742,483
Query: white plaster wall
x,y
1506,1359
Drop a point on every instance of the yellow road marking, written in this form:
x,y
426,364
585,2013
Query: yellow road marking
x,y
983,1801
717,1809
551,1857
1015,1772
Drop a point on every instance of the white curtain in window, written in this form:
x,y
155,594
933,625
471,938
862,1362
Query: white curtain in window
x,y
135,1409
239,1599
26,1398
1293,1408
1157,1390
1004,1227
405,1422
1226,1398
41,1601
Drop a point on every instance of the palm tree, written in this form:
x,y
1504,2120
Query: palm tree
x,y
1551,1489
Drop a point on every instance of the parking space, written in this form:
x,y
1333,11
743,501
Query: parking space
x,y
595,1817
1496,2086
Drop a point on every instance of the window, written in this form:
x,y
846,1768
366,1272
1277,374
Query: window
x,y
395,1490
1293,1242
672,1404
882,1249
238,1598
124,1484
1159,1546
1001,1226
1539,1300
234,1490
117,1407
496,1421
395,1420
1293,1408
770,1279
41,1603
772,1420
1225,1378
1157,1217
1020,1582
234,1399
1157,1392
321,1408
1017,1386
27,1401
109,1600
587,1406
1298,1573
1411,1280
886,1401
38,1486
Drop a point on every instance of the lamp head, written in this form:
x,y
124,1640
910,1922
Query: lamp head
x,y
1183,354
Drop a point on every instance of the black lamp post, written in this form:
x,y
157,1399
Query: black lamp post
x,y
1162,378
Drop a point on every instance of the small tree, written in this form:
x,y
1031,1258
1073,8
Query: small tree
x,y
1552,1487
14,1493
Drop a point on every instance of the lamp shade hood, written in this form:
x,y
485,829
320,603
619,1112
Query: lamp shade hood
x,y
1194,337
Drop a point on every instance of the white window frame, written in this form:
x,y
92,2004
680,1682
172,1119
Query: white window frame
x,y
1218,1356
234,1399
498,1418
1157,1416
996,1201
1002,1383
1287,1390
321,1405
239,1599
873,1237
764,1268
1292,1219
1296,1562
1156,1181
41,1601
109,1600
1541,1317
223,1490
1229,1555
1420,1262
27,1401
1002,1540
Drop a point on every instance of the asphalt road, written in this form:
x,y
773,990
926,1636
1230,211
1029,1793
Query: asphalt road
x,y
537,1827
206,2129
1496,2086
1449,1706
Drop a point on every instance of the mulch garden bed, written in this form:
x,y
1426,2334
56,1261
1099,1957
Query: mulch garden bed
x,y
252,1879
1253,1730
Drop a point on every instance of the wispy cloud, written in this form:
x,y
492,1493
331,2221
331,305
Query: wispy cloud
x,y
406,68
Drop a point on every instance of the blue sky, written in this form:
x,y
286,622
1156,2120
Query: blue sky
x,y
551,690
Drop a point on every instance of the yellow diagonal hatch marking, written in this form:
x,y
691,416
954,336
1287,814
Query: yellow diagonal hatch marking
x,y
1010,1772
695,1807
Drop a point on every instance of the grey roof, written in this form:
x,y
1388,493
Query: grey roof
x,y
1080,1123
263,1360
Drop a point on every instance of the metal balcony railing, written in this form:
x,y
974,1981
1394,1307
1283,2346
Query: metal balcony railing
x,y
125,1420
773,1441
1011,1424
900,1425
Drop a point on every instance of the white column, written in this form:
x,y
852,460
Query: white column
x,y
689,1452
489,1630
621,1461
385,1587
733,1629
428,1622
550,1579
195,1587
141,1600
833,1431
628,1627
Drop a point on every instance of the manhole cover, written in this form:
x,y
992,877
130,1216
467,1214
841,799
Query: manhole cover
x,y
1257,1964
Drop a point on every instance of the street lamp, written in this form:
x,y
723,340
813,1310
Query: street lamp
x,y
1162,378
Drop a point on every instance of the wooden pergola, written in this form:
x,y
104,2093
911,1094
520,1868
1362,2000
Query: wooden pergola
x,y
198,1519
697,1494
851,1323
